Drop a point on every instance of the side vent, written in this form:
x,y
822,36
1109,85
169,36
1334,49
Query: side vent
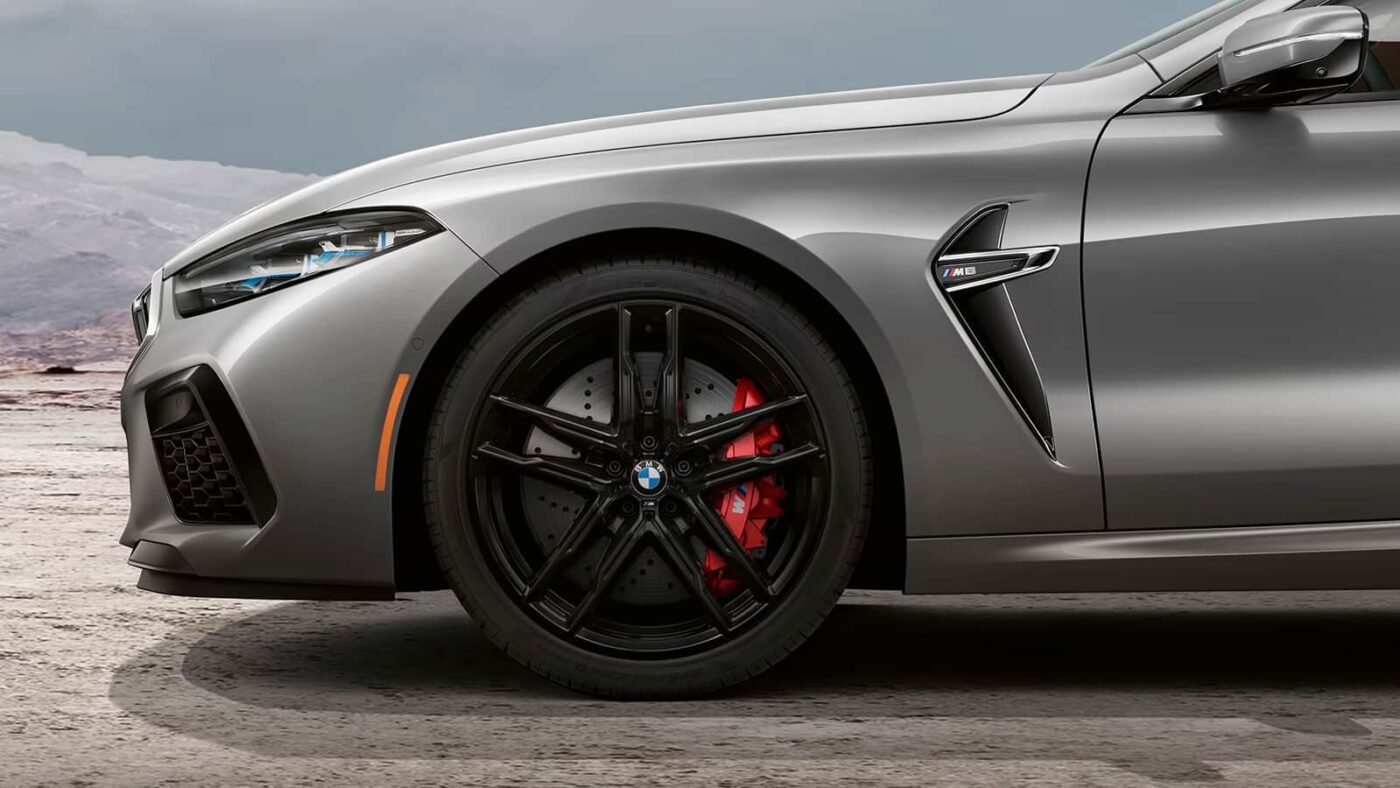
x,y
973,270
982,232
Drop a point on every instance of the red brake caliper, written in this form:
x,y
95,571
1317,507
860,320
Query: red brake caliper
x,y
746,508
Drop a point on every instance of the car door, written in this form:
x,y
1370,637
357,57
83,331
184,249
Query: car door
x,y
1242,305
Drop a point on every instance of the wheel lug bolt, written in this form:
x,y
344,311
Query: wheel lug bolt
x,y
629,507
669,507
615,467
684,468
649,443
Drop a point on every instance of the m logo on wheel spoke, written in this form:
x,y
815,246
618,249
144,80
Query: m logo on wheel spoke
x,y
649,477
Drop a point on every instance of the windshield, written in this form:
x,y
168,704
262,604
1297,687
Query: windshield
x,y
1167,32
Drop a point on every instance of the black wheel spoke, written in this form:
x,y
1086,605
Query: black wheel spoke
x,y
553,469
731,472
717,535
572,512
585,526
615,557
628,386
676,548
720,431
564,426
670,389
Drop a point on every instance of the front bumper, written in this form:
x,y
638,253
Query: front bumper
x,y
308,373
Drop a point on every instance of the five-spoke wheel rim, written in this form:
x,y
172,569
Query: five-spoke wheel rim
x,y
646,479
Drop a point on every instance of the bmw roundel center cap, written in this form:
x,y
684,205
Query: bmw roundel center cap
x,y
649,477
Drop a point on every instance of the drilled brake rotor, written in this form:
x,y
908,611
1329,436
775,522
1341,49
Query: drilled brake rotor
x,y
550,508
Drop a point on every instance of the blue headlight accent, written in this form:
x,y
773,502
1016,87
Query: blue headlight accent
x,y
294,253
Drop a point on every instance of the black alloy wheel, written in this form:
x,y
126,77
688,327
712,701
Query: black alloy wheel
x,y
648,479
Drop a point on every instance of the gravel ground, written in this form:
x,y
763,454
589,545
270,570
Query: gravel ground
x,y
102,684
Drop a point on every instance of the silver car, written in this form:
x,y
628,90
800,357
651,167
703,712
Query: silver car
x,y
648,393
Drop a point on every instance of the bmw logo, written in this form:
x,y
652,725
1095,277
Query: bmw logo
x,y
649,477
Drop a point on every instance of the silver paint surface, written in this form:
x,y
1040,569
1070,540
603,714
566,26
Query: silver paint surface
x,y
1240,286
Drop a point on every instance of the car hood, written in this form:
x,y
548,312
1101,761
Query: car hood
x,y
939,103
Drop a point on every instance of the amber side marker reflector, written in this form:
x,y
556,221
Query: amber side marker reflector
x,y
386,436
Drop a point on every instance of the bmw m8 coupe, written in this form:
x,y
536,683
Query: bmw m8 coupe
x,y
649,392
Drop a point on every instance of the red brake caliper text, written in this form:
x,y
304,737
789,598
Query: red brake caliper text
x,y
746,508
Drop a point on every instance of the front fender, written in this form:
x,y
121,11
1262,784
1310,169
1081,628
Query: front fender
x,y
725,226
857,215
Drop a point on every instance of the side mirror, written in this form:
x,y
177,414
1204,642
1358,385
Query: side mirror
x,y
1293,55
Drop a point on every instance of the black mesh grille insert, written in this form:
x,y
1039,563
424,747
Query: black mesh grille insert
x,y
207,458
203,487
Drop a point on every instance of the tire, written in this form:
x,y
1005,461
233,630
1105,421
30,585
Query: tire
x,y
578,616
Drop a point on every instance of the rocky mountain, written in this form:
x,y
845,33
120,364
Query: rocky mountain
x,y
80,236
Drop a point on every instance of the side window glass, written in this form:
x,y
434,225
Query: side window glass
x,y
1382,73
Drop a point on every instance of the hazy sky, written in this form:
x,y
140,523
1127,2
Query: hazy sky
x,y
320,85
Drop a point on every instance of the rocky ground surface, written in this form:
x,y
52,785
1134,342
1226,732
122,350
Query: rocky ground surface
x,y
102,684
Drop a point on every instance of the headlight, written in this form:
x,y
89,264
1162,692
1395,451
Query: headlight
x,y
293,253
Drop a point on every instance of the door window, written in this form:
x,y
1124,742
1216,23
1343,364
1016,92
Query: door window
x,y
1382,74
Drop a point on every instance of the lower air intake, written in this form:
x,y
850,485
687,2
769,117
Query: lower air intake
x,y
211,469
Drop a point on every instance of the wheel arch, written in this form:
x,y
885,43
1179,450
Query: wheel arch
x,y
720,239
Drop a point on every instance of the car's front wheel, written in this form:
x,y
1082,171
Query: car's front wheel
x,y
648,478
